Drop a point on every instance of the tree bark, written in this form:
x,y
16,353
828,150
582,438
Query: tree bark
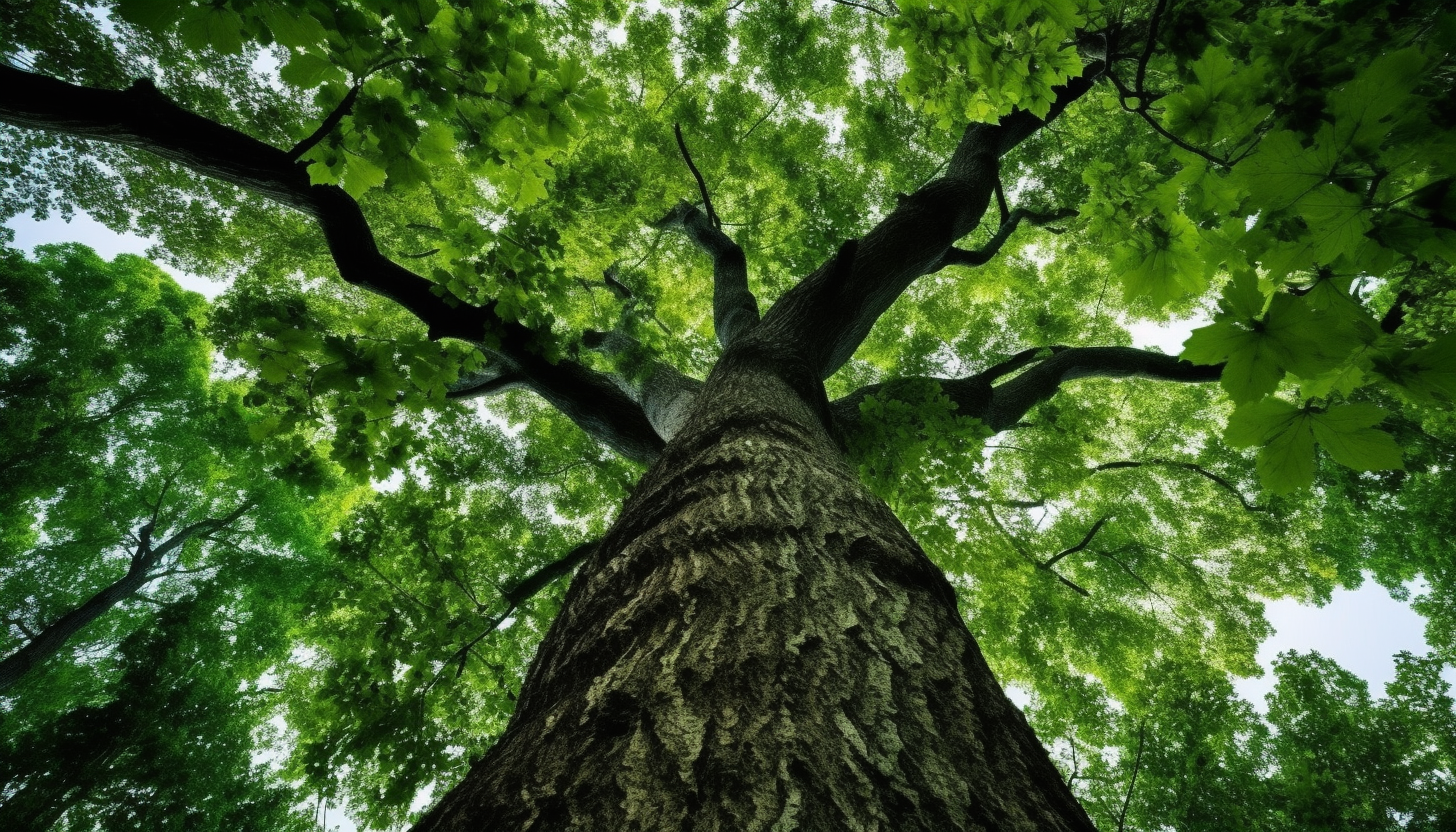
x,y
758,644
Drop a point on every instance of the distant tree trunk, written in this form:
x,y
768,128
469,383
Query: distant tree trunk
x,y
142,570
50,640
758,644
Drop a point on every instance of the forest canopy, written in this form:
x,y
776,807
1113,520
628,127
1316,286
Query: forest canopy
x,y
485,263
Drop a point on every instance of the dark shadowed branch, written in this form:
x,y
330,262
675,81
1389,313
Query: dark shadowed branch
x,y
1011,400
682,146
981,256
1071,550
1136,764
1044,369
486,383
329,123
141,117
141,570
521,592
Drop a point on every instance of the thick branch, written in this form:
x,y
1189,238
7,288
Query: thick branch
x,y
1002,406
142,117
664,392
1011,401
824,318
1395,316
735,310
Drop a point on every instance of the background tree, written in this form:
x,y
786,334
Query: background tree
x,y
172,745
870,178
154,564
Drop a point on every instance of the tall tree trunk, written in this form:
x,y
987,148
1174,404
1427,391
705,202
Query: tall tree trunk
x,y
50,640
758,644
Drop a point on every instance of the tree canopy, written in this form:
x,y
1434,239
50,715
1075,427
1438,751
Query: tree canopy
x,y
482,255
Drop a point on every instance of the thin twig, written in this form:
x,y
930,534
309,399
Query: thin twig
x,y
1187,466
328,125
702,185
1136,764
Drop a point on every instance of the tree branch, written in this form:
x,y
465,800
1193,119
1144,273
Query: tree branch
x,y
865,6
1025,555
1187,466
823,319
1011,400
702,184
485,383
142,117
522,592
983,255
1395,316
345,107
527,587
1001,407
735,310
664,393
1136,764
54,636
1086,540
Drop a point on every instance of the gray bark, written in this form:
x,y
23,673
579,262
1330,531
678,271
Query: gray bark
x,y
759,644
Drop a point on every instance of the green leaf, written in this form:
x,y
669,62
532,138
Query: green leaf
x,y
1363,108
1346,432
291,27
1258,422
153,15
1282,170
361,174
1286,462
307,70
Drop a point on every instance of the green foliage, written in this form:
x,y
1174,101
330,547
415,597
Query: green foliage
x,y
416,654
175,725
979,61
112,424
1325,756
911,445
1285,167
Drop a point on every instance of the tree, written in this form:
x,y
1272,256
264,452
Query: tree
x,y
124,463
173,749
154,563
757,641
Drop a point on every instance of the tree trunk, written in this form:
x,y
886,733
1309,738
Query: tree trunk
x,y
50,640
758,644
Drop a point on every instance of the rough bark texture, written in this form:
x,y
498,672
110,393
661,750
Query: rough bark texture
x,y
758,644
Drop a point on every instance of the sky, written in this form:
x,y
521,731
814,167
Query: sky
x,y
1360,629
